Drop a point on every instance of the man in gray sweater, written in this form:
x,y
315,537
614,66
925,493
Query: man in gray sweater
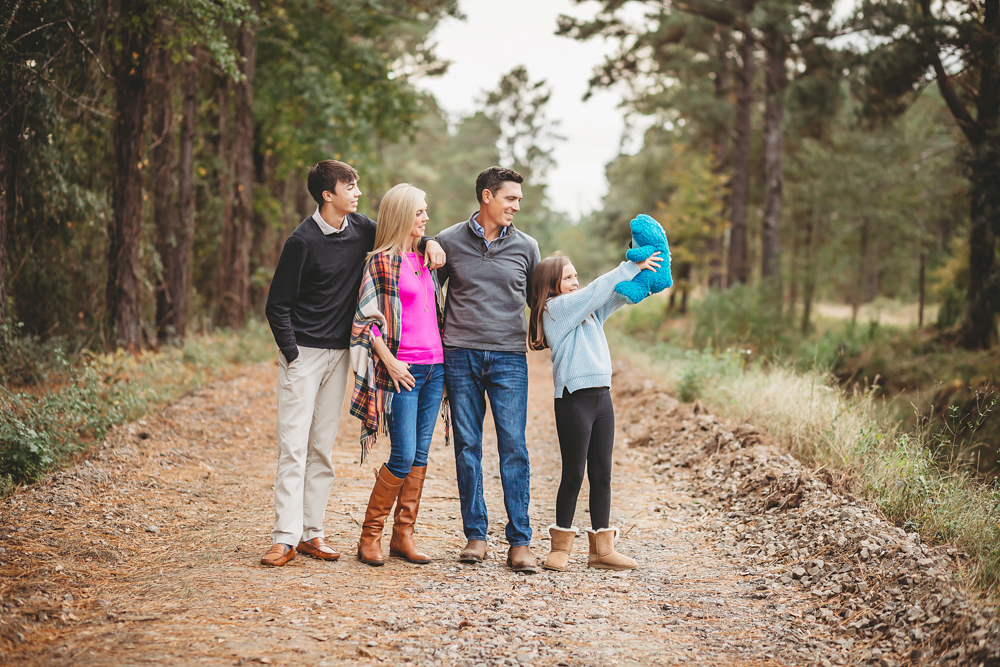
x,y
488,270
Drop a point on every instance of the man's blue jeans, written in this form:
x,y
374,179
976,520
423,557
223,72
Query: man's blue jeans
x,y
470,376
414,414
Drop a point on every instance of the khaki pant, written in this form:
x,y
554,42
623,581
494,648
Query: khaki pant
x,y
311,393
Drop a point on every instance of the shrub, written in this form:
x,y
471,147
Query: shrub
x,y
27,361
741,317
952,305
39,432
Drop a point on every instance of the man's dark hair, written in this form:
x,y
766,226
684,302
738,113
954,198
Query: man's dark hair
x,y
492,179
325,175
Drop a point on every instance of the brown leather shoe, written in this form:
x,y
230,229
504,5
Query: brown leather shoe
x,y
317,548
379,505
474,552
278,555
407,504
520,559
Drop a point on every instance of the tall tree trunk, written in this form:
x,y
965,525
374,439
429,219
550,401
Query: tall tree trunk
x,y
774,113
236,244
862,268
122,292
5,182
165,214
185,199
684,284
809,289
979,328
738,269
794,269
259,232
225,190
720,151
921,285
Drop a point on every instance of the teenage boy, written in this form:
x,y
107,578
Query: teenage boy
x,y
489,269
310,307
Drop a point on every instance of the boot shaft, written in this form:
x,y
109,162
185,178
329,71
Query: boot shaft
x,y
380,502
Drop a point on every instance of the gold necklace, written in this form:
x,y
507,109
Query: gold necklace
x,y
417,273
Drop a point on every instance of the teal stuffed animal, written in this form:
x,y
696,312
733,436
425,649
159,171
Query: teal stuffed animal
x,y
647,237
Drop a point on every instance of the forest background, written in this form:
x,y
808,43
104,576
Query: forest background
x,y
828,176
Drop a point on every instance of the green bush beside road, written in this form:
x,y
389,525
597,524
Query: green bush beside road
x,y
43,426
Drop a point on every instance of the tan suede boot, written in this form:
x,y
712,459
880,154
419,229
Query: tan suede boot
x,y
402,545
602,551
561,545
379,504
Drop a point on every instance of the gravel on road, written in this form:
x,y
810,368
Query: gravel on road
x,y
147,552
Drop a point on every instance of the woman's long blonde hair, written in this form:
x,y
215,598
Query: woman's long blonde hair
x,y
396,213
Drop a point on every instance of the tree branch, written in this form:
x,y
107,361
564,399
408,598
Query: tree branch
x,y
970,128
10,21
34,30
89,50
713,11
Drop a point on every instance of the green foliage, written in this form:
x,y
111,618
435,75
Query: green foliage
x,y
27,360
333,79
448,177
512,118
40,431
865,203
952,307
702,368
742,317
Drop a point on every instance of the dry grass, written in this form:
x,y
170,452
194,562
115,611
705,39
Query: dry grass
x,y
853,434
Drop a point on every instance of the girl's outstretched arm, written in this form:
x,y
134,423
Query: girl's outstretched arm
x,y
652,263
567,311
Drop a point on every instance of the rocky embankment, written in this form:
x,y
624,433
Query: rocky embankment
x,y
895,599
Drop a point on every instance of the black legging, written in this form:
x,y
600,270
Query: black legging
x,y
585,422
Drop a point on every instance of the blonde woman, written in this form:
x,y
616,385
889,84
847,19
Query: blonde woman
x,y
398,360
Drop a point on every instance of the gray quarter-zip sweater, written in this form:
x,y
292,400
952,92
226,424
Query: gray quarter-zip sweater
x,y
487,288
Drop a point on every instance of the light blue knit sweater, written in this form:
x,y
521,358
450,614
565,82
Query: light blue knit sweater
x,y
574,329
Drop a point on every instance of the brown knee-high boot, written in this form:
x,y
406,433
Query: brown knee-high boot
x,y
402,545
379,505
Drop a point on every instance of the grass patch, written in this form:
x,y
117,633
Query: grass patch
x,y
906,471
43,428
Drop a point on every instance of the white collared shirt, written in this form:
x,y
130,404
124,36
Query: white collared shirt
x,y
325,227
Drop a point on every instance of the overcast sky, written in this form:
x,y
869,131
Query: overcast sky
x,y
496,37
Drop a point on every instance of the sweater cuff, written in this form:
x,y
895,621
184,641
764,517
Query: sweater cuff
x,y
291,354
631,269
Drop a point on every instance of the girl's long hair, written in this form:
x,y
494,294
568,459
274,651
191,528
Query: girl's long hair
x,y
544,285
396,214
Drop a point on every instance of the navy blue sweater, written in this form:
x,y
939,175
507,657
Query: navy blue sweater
x,y
314,292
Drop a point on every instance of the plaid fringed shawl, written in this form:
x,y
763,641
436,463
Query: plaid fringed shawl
x,y
379,304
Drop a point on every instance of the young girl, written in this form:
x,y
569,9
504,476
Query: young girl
x,y
398,359
571,320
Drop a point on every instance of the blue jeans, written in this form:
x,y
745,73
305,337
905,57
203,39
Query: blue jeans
x,y
414,414
471,375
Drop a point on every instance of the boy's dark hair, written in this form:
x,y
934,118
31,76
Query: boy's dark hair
x,y
325,174
492,179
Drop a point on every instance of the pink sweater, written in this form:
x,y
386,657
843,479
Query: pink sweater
x,y
419,340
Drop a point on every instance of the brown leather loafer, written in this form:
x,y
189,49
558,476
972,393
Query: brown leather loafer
x,y
474,552
278,555
520,559
317,548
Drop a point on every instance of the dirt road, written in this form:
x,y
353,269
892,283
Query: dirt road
x,y
148,553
